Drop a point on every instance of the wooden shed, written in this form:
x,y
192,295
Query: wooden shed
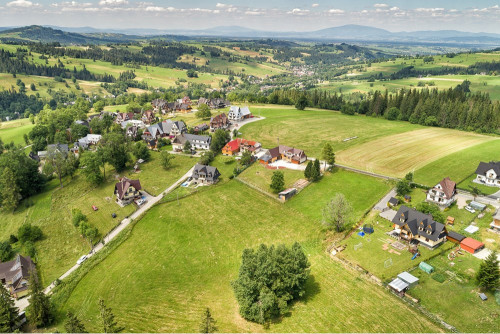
x,y
287,194
455,237
471,245
450,220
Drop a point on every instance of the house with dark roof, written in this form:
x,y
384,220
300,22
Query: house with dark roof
x,y
443,193
238,114
132,131
178,128
282,152
127,190
53,149
197,142
216,103
148,117
455,237
415,226
203,174
15,275
488,173
123,117
164,129
219,122
201,128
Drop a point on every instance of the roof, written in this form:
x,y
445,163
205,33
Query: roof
x,y
233,145
181,139
394,201
209,172
486,166
471,229
288,191
398,285
477,205
222,118
483,296
407,277
448,186
456,236
472,243
415,220
124,184
16,270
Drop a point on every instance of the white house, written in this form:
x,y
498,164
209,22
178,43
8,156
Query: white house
x,y
197,142
443,193
133,122
488,173
238,113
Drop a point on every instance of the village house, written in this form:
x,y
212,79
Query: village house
x,y
54,149
240,145
197,142
219,122
488,174
203,174
415,226
85,142
178,128
148,117
159,105
495,224
237,114
201,128
124,117
15,275
164,129
216,103
281,152
133,122
127,190
443,193
185,100
132,132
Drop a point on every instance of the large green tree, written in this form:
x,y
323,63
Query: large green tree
x,y
488,275
117,148
9,192
337,212
73,324
8,311
219,140
203,112
328,155
166,159
141,151
39,310
92,171
269,279
278,181
28,180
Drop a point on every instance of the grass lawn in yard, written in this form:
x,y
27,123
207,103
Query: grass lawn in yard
x,y
260,176
14,131
468,184
456,300
181,259
458,165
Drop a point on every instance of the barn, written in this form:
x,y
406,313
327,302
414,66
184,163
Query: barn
x,y
471,245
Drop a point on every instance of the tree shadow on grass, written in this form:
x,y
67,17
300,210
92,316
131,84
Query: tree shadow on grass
x,y
312,288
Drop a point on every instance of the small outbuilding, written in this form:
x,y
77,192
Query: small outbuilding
x,y
455,237
477,206
450,220
471,245
408,279
407,198
471,229
426,267
483,297
398,285
393,202
287,194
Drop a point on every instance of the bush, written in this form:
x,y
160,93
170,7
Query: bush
x,y
78,217
439,277
30,249
13,239
5,251
27,232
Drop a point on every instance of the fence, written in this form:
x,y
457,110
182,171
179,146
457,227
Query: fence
x,y
258,189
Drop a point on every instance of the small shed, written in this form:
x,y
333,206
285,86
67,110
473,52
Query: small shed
x,y
483,297
471,229
393,201
408,279
407,198
477,205
450,220
398,285
426,267
287,194
455,237
471,245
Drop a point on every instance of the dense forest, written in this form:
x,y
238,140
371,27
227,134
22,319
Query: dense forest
x,y
14,104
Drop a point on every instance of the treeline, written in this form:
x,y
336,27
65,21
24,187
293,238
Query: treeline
x,y
477,68
14,103
17,63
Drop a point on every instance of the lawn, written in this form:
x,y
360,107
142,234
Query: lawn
x,y
181,258
398,154
456,300
14,131
459,166
260,176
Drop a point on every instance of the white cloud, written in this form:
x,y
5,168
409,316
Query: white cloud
x,y
298,11
314,5
336,11
380,5
113,2
21,3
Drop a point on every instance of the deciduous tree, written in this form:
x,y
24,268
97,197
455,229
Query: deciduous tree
x,y
166,159
337,212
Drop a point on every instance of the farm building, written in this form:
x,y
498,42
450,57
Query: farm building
x,y
287,194
455,237
471,245
290,154
426,267
409,279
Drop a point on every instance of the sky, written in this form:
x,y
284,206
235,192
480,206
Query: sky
x,y
271,15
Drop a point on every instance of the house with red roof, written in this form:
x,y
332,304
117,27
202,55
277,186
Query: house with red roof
x,y
240,145
443,193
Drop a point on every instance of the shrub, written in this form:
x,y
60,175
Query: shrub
x,y
13,239
30,249
27,232
5,251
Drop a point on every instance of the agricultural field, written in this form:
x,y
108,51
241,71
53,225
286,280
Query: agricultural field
x,y
388,147
190,259
14,131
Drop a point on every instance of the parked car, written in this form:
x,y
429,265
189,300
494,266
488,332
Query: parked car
x,y
470,209
140,201
81,259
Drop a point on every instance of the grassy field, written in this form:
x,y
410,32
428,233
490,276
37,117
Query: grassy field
x,y
260,176
181,260
390,148
14,131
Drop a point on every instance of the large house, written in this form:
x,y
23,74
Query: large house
x,y
127,190
148,117
53,149
164,129
197,142
237,114
216,103
123,117
443,193
240,145
15,275
219,122
86,142
132,132
159,105
415,226
203,174
281,152
488,173
134,122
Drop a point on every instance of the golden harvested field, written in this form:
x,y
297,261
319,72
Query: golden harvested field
x,y
398,154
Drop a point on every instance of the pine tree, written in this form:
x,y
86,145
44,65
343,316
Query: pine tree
x,y
316,171
73,324
307,172
8,311
207,324
9,193
328,155
39,309
278,181
109,324
488,275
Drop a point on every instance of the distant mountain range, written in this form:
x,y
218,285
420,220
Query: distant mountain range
x,y
342,33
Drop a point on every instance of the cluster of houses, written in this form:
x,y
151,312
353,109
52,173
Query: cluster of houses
x,y
183,105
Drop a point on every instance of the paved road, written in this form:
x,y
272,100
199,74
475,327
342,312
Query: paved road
x,y
382,205
124,223
240,124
